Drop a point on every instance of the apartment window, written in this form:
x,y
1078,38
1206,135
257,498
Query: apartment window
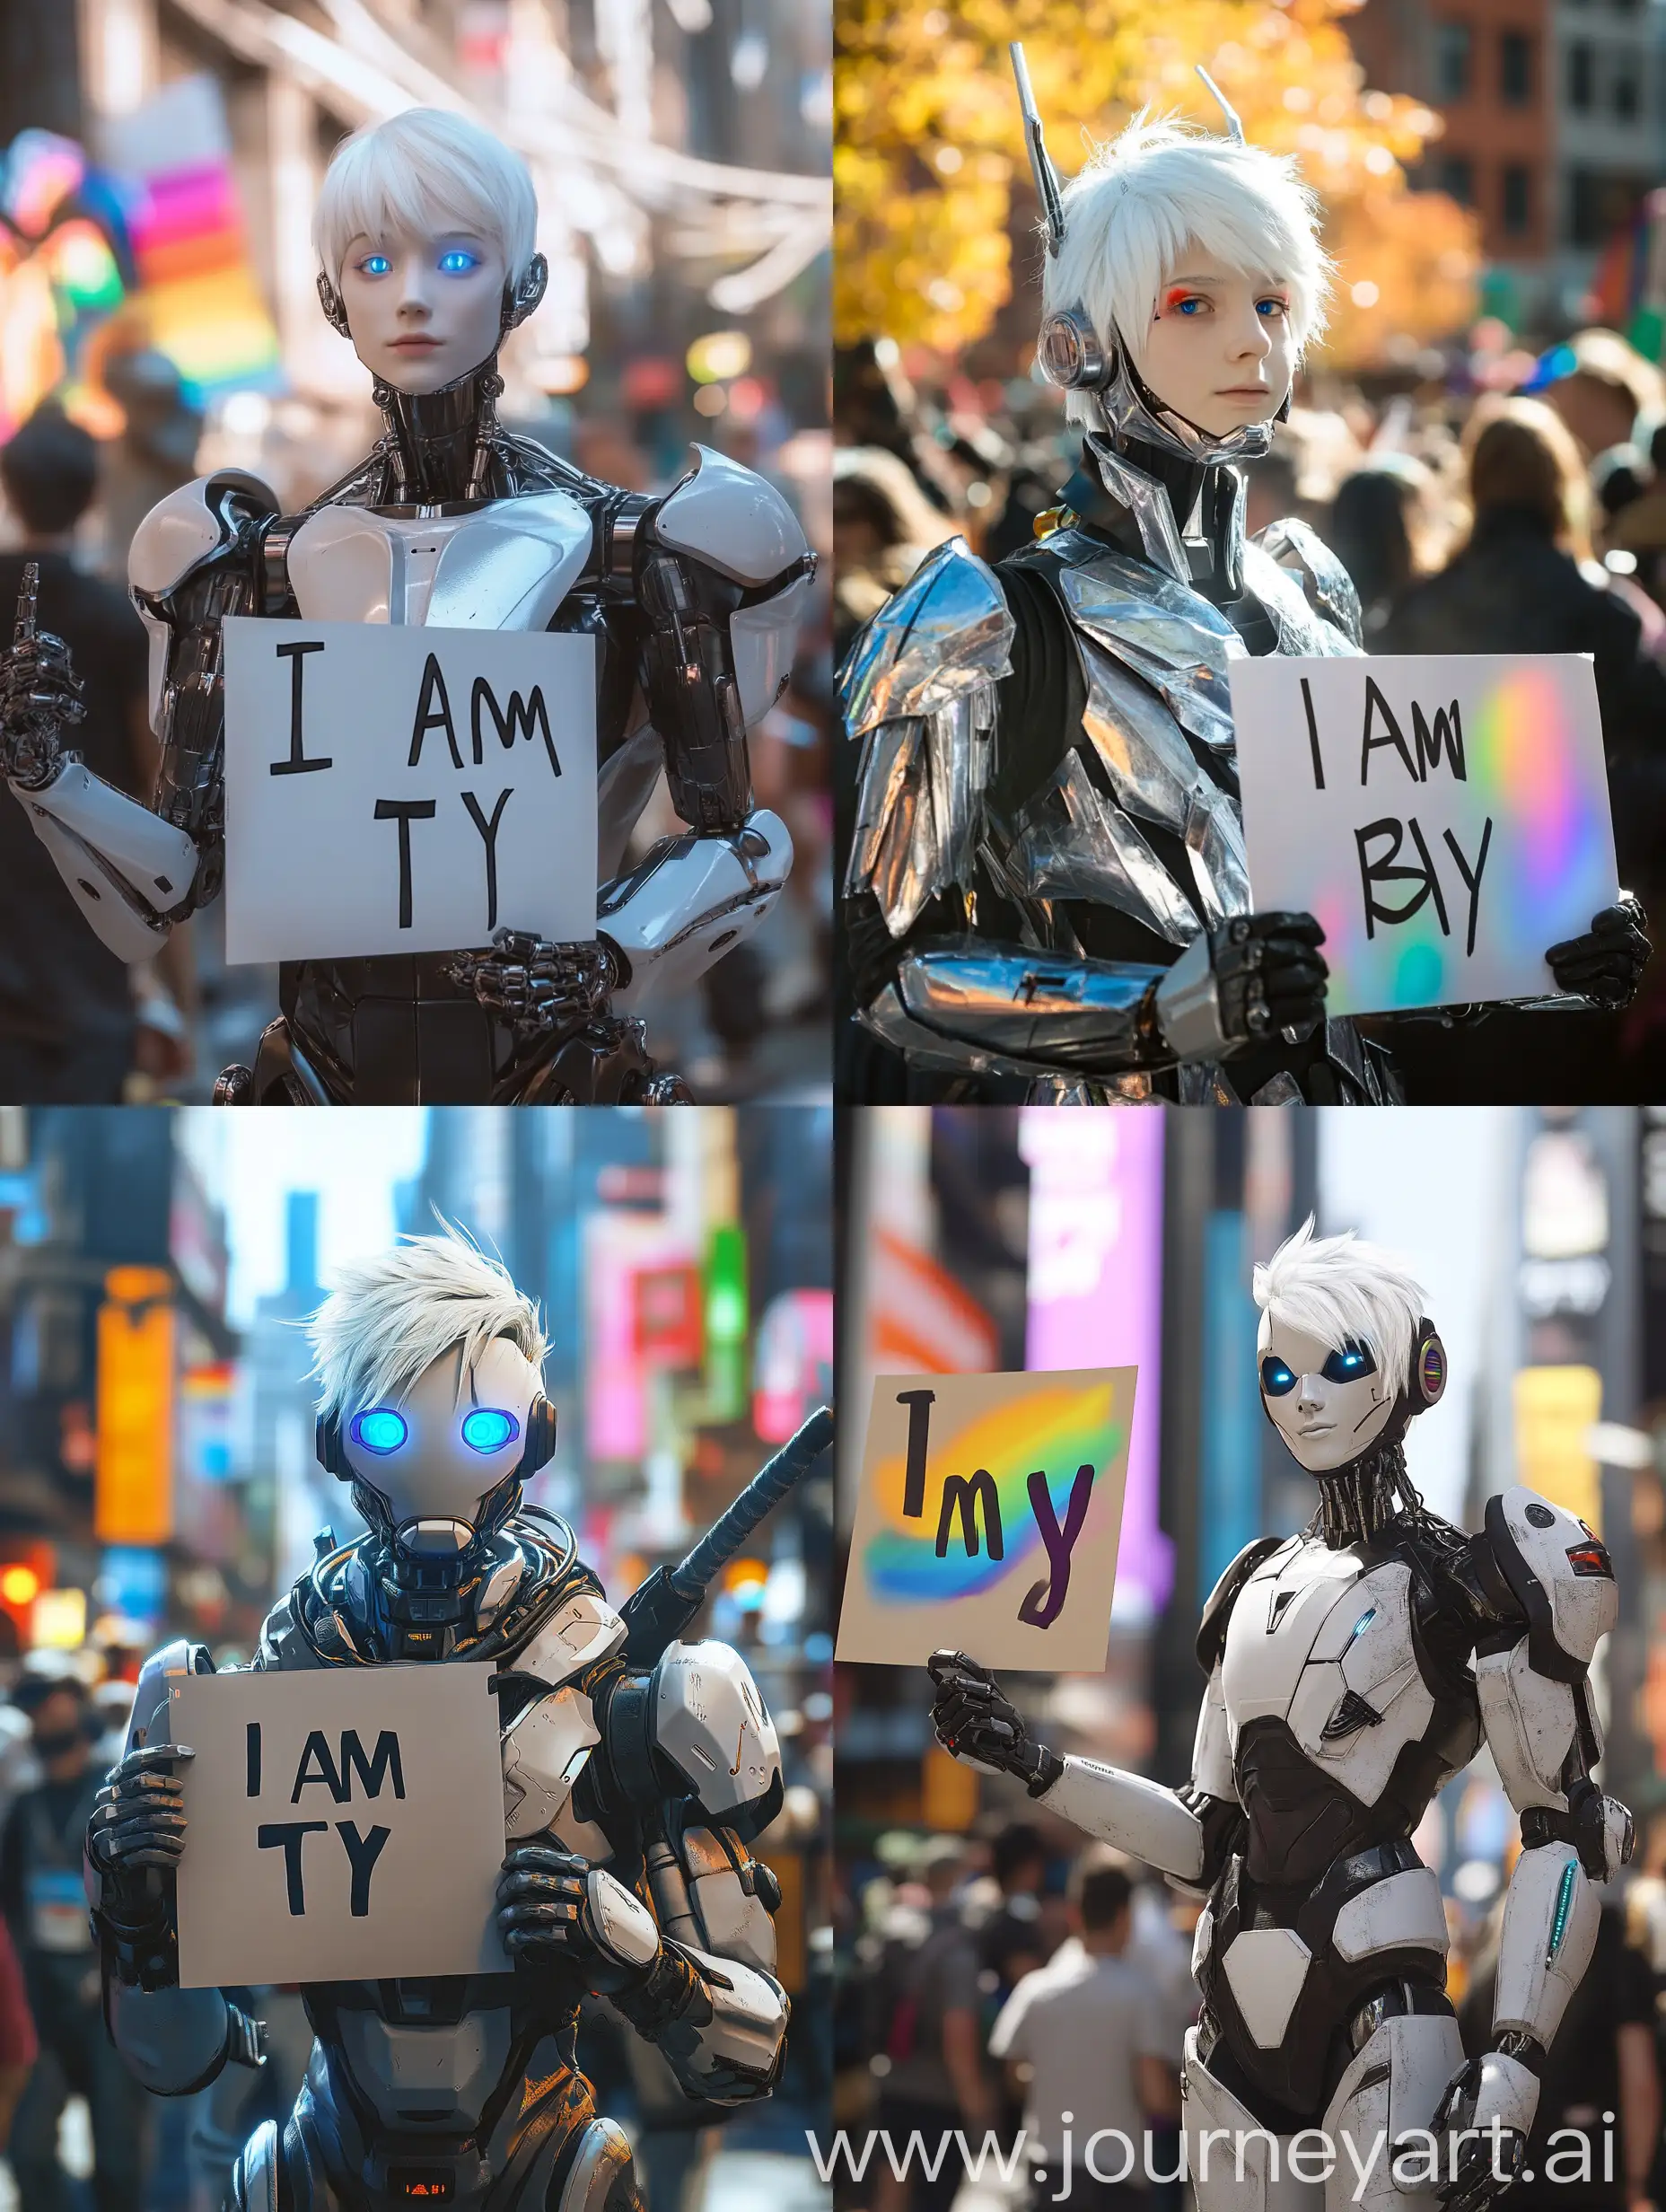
x,y
1457,175
1580,73
1515,69
1517,206
1453,47
1626,93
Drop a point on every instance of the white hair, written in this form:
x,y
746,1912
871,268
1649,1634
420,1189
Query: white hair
x,y
426,171
1343,1292
389,1318
1130,214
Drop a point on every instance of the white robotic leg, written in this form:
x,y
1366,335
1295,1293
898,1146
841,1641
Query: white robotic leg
x,y
601,2177
691,900
1393,2085
1235,2164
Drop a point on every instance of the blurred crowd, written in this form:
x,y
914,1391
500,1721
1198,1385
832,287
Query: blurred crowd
x,y
1012,1980
76,1026
1512,503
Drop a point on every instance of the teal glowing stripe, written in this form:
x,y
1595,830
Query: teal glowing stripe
x,y
1564,1905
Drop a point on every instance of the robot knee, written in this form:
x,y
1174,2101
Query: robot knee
x,y
254,2177
600,2176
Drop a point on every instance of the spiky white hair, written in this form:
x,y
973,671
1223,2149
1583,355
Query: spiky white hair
x,y
391,1317
1344,1292
1132,211
426,172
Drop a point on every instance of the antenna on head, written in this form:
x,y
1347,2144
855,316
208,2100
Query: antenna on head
x,y
1234,128
1041,169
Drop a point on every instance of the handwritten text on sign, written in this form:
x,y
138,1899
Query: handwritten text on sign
x,y
988,1518
1446,817
393,789
339,1827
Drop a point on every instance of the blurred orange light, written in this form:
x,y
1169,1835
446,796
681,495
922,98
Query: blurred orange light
x,y
741,1573
19,1585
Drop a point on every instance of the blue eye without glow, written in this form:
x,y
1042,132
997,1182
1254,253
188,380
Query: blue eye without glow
x,y
456,262
1349,1364
374,265
380,1430
1277,1379
486,1429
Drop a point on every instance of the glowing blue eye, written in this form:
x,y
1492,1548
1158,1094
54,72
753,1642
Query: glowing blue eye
x,y
1348,1365
375,264
457,263
486,1429
1276,1377
380,1430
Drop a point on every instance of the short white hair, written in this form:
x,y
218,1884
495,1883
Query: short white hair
x,y
389,1318
1344,1292
1130,214
426,171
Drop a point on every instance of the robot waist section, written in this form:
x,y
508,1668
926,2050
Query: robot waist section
x,y
1302,1821
1283,1973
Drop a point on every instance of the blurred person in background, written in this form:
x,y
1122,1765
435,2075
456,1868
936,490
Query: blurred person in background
x,y
1373,530
883,527
72,1029
934,2080
1087,2033
1606,387
1011,1940
1600,2079
155,453
1640,526
18,2049
45,1907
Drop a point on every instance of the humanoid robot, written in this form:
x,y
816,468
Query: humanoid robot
x,y
1047,881
1340,1699
636,1769
425,233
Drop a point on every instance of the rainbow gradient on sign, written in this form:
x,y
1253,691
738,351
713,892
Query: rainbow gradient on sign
x,y
1549,865
1055,1430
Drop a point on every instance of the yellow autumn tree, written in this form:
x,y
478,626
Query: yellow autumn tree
x,y
929,152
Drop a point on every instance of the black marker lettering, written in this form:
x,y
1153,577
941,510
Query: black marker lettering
x,y
270,1835
251,1745
1375,704
489,838
966,1493
1472,883
429,716
1432,880
919,1404
317,1749
1447,735
363,1852
297,763
1046,1601
382,1763
1374,871
1312,735
517,722
405,811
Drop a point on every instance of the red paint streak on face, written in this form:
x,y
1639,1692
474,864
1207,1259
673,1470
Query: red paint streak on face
x,y
1179,293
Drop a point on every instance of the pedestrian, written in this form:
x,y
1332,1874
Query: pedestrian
x,y
1088,2028
45,1907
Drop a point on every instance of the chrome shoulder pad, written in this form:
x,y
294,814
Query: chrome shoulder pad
x,y
151,1721
1559,1574
731,520
711,1725
919,692
190,525
1325,583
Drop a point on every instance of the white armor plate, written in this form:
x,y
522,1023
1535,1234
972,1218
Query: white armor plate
x,y
1406,1908
1583,1607
1266,1967
732,520
582,1631
506,567
545,1751
181,530
709,1720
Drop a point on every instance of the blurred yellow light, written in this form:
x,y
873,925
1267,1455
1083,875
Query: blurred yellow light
x,y
20,1585
719,356
59,1620
743,1574
561,373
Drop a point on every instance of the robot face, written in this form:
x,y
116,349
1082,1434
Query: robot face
x,y
1328,1404
423,311
438,1452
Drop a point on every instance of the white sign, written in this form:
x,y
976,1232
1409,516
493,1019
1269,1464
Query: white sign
x,y
340,1825
1444,816
393,789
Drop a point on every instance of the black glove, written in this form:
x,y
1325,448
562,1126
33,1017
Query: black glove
x,y
1606,964
974,1720
137,1833
1270,975
544,1912
536,987
39,694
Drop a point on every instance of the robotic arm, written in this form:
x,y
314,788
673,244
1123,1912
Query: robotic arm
x,y
133,870
1550,1585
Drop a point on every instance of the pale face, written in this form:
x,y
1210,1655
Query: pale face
x,y
437,1452
1218,348
1328,1405
423,312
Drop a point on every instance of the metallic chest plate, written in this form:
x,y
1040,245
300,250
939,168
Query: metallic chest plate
x,y
505,567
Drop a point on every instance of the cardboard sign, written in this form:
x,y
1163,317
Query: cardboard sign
x,y
987,1519
1446,817
406,790
340,1826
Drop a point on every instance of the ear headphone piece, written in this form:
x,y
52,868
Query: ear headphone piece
x,y
541,1439
1428,1374
326,1445
1071,355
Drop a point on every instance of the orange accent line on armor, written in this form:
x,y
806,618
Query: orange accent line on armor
x,y
740,1743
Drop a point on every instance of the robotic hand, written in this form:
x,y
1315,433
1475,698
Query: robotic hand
x,y
1606,964
558,1908
40,695
975,1723
535,987
1496,2094
134,1842
1256,976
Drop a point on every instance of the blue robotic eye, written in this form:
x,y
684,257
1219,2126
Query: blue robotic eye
x,y
1276,1377
1348,1365
375,264
457,263
486,1429
380,1430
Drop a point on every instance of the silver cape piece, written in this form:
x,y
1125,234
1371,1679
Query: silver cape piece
x,y
919,694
